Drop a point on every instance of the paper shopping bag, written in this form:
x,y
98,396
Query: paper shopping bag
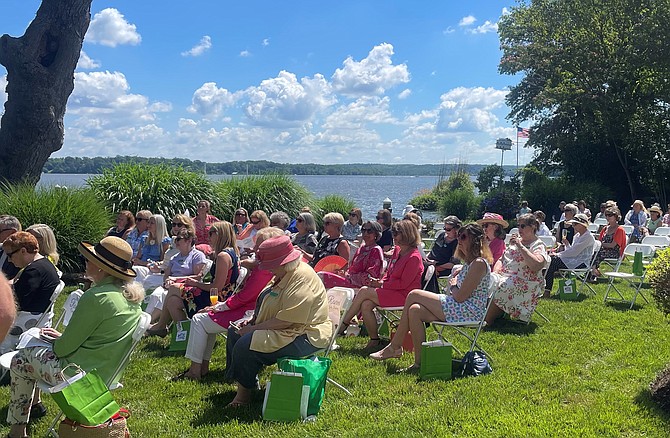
x,y
436,360
314,372
638,268
286,398
567,289
179,335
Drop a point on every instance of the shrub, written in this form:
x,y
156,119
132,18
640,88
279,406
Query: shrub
x,y
74,214
269,193
425,201
658,274
331,203
459,202
160,188
546,194
502,201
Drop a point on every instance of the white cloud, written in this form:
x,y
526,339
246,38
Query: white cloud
x,y
3,94
265,42
469,109
371,76
245,54
404,94
211,101
204,45
485,28
86,63
110,28
467,21
284,100
448,30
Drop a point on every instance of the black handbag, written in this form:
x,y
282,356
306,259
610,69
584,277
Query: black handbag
x,y
474,363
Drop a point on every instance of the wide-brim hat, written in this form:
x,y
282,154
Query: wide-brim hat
x,y
493,218
276,252
656,209
639,202
113,255
579,219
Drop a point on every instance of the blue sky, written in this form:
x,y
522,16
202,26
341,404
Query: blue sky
x,y
300,82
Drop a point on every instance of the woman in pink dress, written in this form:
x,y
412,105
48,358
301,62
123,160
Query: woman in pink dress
x,y
402,275
494,226
203,221
367,263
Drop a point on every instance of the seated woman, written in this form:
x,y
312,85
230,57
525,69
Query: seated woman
x,y
98,336
305,239
352,228
185,298
33,285
141,229
246,238
575,255
46,240
402,275
292,319
157,241
654,220
494,226
518,274
280,219
543,229
444,247
637,217
211,320
613,241
564,230
466,301
386,241
332,243
240,220
367,263
187,262
125,221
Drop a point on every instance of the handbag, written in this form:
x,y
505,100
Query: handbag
x,y
474,363
84,398
567,289
179,335
314,373
286,397
115,427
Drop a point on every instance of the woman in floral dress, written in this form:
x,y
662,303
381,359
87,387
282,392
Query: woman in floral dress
x,y
517,277
613,238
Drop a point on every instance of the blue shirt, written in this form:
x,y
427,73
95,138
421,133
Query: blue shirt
x,y
154,251
135,239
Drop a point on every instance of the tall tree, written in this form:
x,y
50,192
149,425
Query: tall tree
x,y
40,78
595,79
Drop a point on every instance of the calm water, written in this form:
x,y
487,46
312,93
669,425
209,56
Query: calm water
x,y
367,192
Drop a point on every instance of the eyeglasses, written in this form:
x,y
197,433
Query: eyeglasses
x,y
609,214
484,226
353,214
522,226
10,254
367,230
140,219
255,222
448,229
175,224
299,219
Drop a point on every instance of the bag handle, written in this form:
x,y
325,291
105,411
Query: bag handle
x,y
70,365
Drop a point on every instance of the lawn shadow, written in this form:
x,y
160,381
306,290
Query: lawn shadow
x,y
645,402
216,411
156,347
623,306
511,327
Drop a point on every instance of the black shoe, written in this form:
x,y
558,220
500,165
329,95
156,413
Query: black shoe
x,y
37,411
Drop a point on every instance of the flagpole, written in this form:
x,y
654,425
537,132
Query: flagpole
x,y
517,147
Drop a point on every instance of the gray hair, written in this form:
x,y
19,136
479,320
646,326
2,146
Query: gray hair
x,y
571,207
281,220
10,222
308,220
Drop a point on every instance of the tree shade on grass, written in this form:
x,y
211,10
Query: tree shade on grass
x,y
587,373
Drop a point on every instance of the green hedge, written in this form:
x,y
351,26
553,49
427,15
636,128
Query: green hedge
x,y
74,214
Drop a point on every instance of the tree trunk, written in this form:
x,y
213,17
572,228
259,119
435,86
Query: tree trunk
x,y
40,78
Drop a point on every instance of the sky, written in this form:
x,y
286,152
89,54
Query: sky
x,y
293,82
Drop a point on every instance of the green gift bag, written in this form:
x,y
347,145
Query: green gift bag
x,y
286,398
567,289
179,335
436,360
638,268
84,397
314,372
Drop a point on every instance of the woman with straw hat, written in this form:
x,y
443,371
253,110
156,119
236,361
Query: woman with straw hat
x,y
494,227
637,217
654,220
98,335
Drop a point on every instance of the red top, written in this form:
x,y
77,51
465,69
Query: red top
x,y
202,231
619,237
403,275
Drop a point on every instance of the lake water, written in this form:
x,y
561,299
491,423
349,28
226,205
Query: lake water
x,y
367,192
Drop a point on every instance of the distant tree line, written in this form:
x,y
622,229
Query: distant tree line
x,y
98,164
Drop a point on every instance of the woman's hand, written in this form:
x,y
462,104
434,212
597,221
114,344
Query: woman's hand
x,y
50,332
453,281
374,282
245,328
207,309
190,282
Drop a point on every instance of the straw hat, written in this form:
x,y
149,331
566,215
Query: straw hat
x,y
493,218
638,202
579,219
113,255
656,209
276,252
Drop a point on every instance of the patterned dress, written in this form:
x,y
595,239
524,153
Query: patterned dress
x,y
326,247
518,287
474,307
607,253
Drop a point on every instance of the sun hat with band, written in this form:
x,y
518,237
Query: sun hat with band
x,y
276,252
493,218
579,219
655,209
113,255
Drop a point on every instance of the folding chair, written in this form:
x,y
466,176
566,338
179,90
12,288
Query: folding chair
x,y
600,221
137,335
462,328
628,229
593,228
634,281
582,274
662,231
656,241
548,241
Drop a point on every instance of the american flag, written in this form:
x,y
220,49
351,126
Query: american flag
x,y
522,132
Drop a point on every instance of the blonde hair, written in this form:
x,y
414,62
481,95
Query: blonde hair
x,y
406,233
267,233
261,216
46,240
335,218
186,220
225,237
479,246
132,291
161,229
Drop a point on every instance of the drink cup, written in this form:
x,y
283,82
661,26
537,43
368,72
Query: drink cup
x,y
213,296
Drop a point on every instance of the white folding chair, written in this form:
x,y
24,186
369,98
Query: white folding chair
x,y
514,231
662,231
656,241
628,229
463,327
600,221
548,241
582,274
112,383
508,237
631,279
593,228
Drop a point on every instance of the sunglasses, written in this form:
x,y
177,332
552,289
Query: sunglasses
x,y
379,218
486,225
255,222
522,226
175,224
240,214
367,230
140,219
448,229
353,214
609,214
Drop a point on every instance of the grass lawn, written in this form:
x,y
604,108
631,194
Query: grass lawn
x,y
586,373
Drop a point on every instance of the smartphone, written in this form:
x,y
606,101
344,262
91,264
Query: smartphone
x,y
235,326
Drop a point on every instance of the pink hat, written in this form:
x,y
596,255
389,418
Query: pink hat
x,y
276,252
493,218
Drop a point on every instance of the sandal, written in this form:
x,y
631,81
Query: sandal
x,y
184,375
413,369
156,331
387,353
237,405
